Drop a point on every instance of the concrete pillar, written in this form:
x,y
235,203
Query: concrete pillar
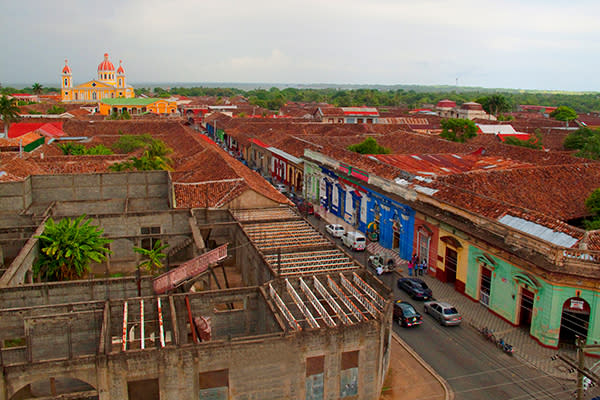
x,y
3,392
102,378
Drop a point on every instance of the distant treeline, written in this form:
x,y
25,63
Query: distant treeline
x,y
414,96
274,98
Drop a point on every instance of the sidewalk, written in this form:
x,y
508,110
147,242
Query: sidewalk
x,y
526,348
410,377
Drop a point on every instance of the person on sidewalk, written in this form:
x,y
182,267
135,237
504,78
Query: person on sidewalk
x,y
420,267
412,264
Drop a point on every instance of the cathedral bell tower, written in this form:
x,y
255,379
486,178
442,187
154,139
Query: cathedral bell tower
x,y
66,83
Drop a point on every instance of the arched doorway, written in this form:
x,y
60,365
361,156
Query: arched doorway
x,y
299,182
56,386
574,321
450,259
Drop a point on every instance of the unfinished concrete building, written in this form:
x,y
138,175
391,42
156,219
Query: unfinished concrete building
x,y
305,321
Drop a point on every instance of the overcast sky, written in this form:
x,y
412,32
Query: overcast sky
x,y
527,44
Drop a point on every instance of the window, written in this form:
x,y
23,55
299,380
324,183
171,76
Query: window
x,y
143,390
315,368
148,243
93,95
349,374
423,239
66,84
214,384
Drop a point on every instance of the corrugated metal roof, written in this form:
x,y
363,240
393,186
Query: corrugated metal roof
x,y
537,230
496,128
446,164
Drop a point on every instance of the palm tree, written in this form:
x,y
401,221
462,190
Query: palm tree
x,y
9,111
68,247
153,262
36,88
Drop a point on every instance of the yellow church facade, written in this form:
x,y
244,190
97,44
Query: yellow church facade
x,y
110,84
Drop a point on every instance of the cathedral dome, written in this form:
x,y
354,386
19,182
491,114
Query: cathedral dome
x,y
120,70
106,65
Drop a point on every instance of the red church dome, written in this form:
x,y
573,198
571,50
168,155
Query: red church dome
x,y
106,65
120,70
471,106
66,69
446,104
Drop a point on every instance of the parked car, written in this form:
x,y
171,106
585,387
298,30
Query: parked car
x,y
445,313
306,208
354,240
335,230
406,315
416,288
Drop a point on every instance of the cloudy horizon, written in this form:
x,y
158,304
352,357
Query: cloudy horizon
x,y
538,45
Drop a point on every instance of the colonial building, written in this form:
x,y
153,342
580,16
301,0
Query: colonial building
x,y
510,248
137,106
108,84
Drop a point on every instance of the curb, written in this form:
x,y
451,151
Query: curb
x,y
449,393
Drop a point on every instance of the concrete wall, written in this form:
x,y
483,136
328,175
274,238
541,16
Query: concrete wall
x,y
72,292
15,196
106,186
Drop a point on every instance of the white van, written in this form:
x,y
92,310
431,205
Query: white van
x,y
355,240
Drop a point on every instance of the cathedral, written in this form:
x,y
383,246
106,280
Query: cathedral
x,y
109,84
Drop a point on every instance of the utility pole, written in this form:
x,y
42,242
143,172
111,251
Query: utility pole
x,y
579,365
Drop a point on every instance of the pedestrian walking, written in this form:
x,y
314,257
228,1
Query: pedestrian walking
x,y
420,267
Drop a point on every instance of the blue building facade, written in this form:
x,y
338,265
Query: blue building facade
x,y
381,218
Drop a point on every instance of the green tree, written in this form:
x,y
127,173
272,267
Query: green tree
x,y
369,146
564,113
591,149
37,88
56,110
494,104
9,111
592,203
77,149
155,156
68,247
153,258
458,129
577,140
534,141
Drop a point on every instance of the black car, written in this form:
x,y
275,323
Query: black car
x,y
406,315
416,288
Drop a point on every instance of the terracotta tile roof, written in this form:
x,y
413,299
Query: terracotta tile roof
x,y
20,140
556,191
19,168
331,111
213,164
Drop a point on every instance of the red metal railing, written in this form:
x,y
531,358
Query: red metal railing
x,y
171,279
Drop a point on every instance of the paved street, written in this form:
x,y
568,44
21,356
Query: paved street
x,y
473,367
